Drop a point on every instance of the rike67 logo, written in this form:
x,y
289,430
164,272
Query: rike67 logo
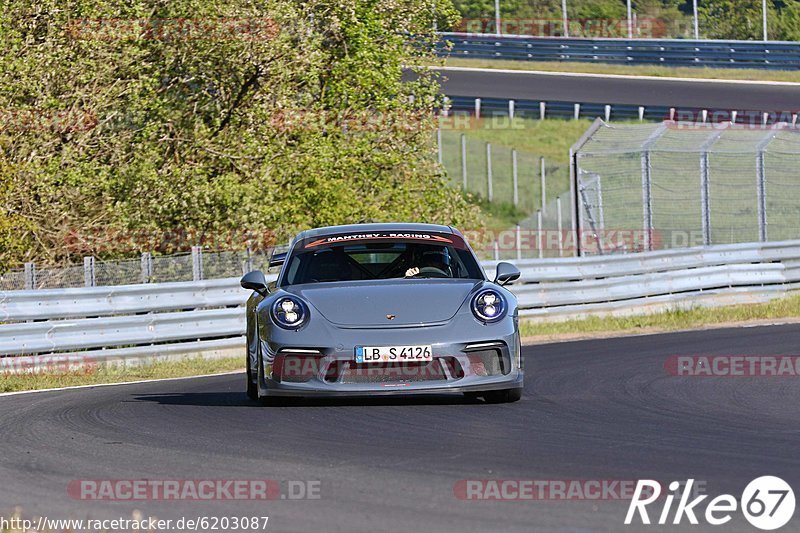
x,y
767,503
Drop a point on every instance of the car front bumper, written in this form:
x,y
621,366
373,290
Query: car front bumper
x,y
332,371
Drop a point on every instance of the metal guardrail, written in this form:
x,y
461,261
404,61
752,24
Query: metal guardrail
x,y
174,319
50,304
542,109
671,52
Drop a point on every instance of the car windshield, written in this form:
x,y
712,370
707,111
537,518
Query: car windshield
x,y
375,258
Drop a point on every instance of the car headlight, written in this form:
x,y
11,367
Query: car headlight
x,y
488,306
289,312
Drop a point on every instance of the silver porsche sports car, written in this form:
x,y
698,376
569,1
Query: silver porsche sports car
x,y
375,309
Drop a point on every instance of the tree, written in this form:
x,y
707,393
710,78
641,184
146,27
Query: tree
x,y
209,119
786,25
731,19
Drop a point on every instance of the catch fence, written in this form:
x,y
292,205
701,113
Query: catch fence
x,y
677,185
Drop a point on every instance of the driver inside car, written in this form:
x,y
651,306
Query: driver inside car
x,y
435,262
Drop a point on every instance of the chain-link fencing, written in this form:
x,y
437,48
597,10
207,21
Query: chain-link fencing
x,y
676,185
148,268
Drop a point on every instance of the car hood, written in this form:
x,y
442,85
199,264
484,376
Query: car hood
x,y
410,302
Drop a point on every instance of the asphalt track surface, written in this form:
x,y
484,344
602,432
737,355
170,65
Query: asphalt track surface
x,y
608,90
599,409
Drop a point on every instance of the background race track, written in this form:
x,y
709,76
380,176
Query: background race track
x,y
621,90
601,409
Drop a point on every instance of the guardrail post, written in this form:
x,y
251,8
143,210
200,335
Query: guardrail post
x,y
147,267
88,272
30,276
560,227
489,192
539,233
608,113
511,109
197,263
577,111
514,176
518,241
542,172
464,160
477,108
641,113
542,109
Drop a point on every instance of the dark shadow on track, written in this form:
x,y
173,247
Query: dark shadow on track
x,y
238,399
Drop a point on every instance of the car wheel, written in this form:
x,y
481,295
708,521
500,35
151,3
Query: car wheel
x,y
503,396
252,389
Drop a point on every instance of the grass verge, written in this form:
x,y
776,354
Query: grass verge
x,y
699,317
95,375
632,70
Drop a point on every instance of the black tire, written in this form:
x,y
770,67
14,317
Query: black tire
x,y
252,388
503,396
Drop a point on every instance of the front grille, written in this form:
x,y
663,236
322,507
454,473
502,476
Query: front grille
x,y
351,372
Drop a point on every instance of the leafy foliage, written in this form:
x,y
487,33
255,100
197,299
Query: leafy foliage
x,y
121,118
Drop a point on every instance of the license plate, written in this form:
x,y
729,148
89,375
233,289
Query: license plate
x,y
383,354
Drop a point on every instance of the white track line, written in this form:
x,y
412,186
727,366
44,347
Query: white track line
x,y
76,387
617,76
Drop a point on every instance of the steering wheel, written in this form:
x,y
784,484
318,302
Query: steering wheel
x,y
432,272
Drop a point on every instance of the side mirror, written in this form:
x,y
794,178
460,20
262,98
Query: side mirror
x,y
255,281
506,273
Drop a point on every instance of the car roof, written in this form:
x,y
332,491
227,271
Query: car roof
x,y
388,226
